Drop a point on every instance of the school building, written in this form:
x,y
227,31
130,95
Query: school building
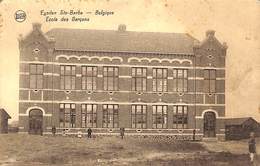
x,y
150,83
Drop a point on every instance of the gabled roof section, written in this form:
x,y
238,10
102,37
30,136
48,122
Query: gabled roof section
x,y
238,121
121,40
5,113
36,31
210,37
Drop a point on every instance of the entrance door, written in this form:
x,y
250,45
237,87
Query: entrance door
x,y
35,122
209,124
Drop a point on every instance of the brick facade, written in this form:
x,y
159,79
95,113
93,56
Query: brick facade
x,y
46,49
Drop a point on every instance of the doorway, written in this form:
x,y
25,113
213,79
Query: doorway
x,y
35,122
209,124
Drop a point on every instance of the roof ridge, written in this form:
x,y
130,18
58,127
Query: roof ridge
x,y
112,30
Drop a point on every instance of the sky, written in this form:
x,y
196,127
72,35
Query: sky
x,y
235,22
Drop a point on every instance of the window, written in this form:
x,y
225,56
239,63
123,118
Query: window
x,y
139,78
89,77
110,75
36,76
210,80
89,115
180,80
68,77
160,80
180,117
159,116
110,116
67,115
139,116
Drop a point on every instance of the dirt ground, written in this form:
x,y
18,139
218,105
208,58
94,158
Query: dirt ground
x,y
30,150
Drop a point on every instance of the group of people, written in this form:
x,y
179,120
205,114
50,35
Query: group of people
x,y
89,132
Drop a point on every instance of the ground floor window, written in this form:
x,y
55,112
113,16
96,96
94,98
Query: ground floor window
x,y
67,115
88,115
180,117
110,115
139,116
159,116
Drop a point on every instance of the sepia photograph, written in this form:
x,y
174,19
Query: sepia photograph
x,y
120,82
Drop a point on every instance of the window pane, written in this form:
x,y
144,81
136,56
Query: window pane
x,y
144,84
206,74
116,84
62,70
73,82
154,72
206,86
40,81
212,86
133,71
105,83
39,69
144,72
67,70
185,74
154,85
180,74
83,70
165,73
32,68
32,81
73,70
116,71
212,74
105,71
67,82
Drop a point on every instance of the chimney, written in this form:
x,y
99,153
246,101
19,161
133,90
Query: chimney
x,y
37,26
225,45
210,33
122,28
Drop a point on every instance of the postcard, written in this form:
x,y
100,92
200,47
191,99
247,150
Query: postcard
x,y
120,82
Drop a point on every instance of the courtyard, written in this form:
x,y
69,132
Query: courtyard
x,y
34,150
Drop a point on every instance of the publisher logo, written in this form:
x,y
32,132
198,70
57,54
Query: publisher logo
x,y
20,16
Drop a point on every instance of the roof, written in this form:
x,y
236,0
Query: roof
x,y
238,121
121,41
3,111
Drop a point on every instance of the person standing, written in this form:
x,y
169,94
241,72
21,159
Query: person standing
x,y
122,132
53,130
194,133
89,132
252,147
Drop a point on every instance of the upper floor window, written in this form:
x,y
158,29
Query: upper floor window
x,y
68,77
110,76
139,77
67,115
160,80
210,80
139,116
160,115
180,80
89,115
36,76
180,117
89,77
